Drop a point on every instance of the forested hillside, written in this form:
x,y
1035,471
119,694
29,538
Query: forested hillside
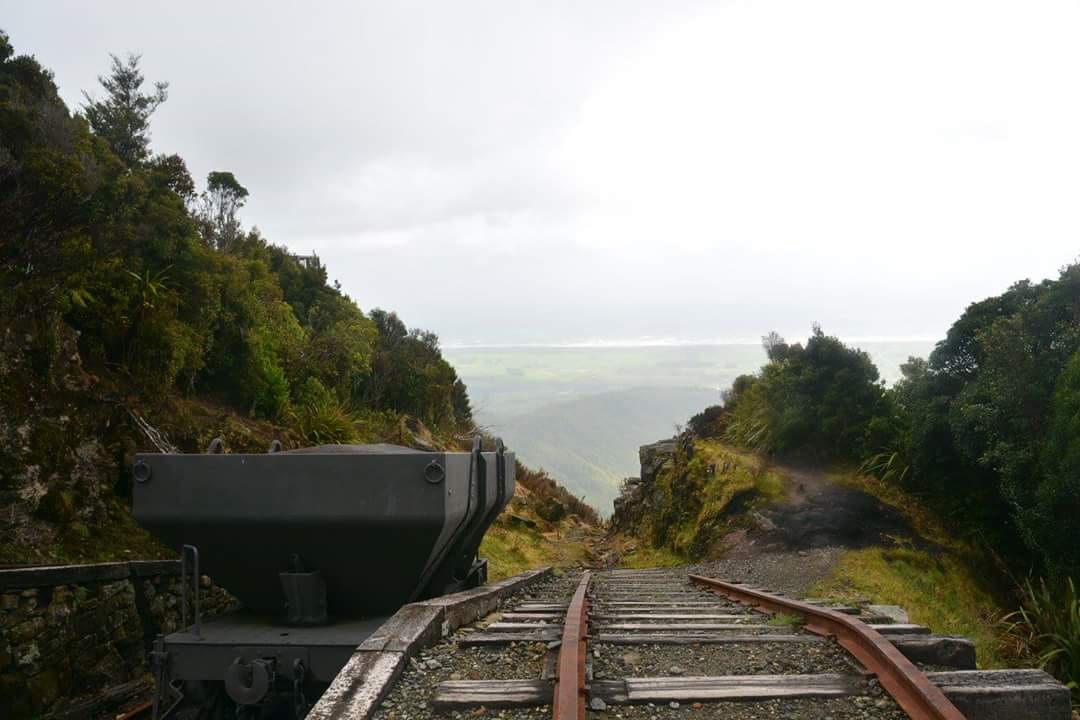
x,y
984,435
986,429
139,313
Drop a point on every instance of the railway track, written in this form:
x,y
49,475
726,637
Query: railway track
x,y
660,644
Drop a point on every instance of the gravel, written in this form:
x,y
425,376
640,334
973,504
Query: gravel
x,y
790,572
853,708
619,661
410,697
412,693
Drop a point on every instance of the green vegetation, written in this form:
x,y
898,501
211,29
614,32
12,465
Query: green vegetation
x,y
511,550
950,587
640,558
705,494
786,620
1047,625
988,427
984,437
167,291
138,312
942,590
529,535
817,398
552,499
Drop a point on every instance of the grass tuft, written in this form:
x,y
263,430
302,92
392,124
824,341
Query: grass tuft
x,y
938,590
785,620
646,557
1048,626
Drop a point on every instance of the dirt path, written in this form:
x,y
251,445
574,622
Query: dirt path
x,y
819,513
797,541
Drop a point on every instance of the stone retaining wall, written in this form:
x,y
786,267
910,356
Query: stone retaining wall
x,y
70,634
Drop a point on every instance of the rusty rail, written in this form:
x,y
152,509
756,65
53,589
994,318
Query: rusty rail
x,y
137,711
568,702
916,695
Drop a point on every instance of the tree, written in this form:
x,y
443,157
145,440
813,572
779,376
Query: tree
x,y
123,117
171,172
776,348
817,398
219,214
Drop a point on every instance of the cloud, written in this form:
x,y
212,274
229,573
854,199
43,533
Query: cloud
x,y
561,171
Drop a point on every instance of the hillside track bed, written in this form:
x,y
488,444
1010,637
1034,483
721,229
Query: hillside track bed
x,y
735,655
664,644
450,661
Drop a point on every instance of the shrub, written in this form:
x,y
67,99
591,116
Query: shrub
x,y
709,423
325,422
542,487
551,509
820,397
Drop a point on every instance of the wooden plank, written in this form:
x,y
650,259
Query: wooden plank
x,y
679,603
658,587
550,617
664,627
659,591
699,638
357,690
845,609
900,629
954,652
620,617
1005,694
668,609
687,597
492,694
520,626
540,607
915,695
730,687
672,607
551,663
505,638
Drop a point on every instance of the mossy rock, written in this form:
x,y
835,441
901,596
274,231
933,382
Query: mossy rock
x,y
57,506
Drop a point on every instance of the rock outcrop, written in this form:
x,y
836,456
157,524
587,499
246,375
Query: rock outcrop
x,y
634,492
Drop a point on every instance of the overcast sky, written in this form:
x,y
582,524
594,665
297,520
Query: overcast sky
x,y
506,172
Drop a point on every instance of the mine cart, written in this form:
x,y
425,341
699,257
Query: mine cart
x,y
319,545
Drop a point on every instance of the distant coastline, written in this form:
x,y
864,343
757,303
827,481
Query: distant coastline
x,y
653,342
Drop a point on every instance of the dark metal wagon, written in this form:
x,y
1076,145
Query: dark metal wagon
x,y
320,545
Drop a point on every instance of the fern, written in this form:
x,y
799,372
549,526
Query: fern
x,y
887,466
